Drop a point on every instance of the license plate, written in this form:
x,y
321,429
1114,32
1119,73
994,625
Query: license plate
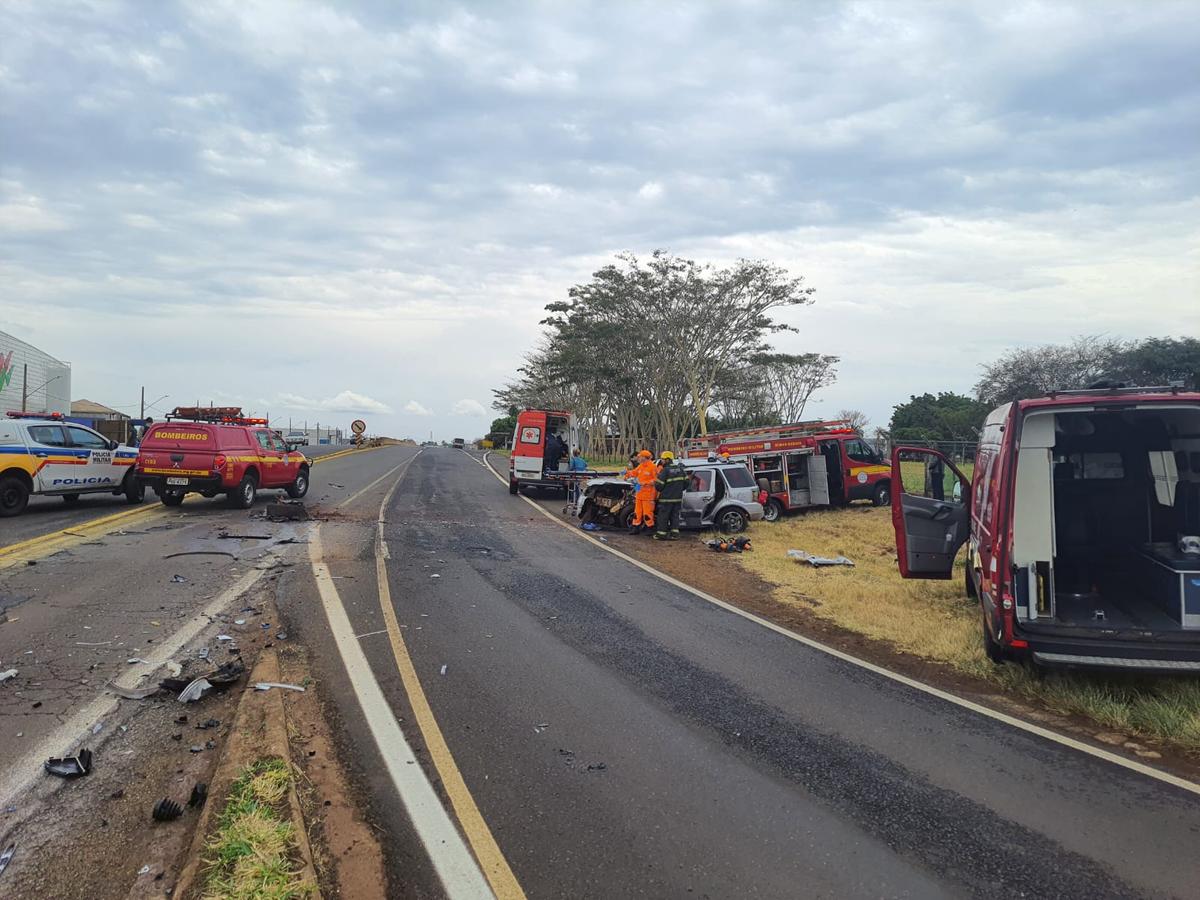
x,y
178,481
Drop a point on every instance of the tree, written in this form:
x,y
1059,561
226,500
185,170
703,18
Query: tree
x,y
946,417
857,418
1159,361
1035,371
793,378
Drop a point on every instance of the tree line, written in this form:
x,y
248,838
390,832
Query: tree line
x,y
650,351
1021,373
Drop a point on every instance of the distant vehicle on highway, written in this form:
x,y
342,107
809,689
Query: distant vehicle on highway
x,y
459,444
41,453
1079,518
298,438
225,454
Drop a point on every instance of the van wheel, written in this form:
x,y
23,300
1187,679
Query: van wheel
x,y
772,510
732,521
882,495
299,487
969,582
513,487
991,648
14,496
135,490
70,499
171,498
243,496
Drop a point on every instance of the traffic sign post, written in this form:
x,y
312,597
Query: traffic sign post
x,y
358,426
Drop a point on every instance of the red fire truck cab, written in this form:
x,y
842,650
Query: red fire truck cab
x,y
1082,521
804,464
537,432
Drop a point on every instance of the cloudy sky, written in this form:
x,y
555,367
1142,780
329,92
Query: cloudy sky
x,y
342,209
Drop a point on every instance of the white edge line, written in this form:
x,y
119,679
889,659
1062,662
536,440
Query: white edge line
x,y
358,494
1029,727
456,868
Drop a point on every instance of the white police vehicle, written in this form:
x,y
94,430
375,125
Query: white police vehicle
x,y
44,454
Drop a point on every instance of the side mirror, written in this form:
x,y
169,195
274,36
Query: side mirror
x,y
113,445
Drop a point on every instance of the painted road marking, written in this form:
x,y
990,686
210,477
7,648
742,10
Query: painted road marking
x,y
1133,765
32,542
456,868
390,472
28,768
495,867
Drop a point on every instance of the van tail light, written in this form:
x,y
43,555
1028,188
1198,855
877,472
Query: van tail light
x,y
219,462
762,498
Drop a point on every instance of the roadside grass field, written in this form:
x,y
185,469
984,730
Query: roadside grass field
x,y
935,620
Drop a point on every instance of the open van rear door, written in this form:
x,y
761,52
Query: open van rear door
x,y
932,519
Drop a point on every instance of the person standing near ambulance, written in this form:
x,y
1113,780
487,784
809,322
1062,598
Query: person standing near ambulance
x,y
672,481
645,473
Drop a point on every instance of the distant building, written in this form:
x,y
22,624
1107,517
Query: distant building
x,y
87,409
32,380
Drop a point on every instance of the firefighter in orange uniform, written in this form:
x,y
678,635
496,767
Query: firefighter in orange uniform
x,y
646,473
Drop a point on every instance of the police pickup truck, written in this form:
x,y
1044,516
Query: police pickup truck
x,y
44,454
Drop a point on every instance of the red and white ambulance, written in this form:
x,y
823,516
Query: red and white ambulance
x,y
538,429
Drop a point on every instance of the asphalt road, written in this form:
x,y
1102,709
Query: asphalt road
x,y
46,514
622,737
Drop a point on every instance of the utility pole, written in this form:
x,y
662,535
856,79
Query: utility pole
x,y
142,414
25,387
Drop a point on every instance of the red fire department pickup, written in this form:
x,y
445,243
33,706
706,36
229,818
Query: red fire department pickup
x,y
804,464
218,452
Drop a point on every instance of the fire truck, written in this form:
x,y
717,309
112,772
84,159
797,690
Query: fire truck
x,y
804,464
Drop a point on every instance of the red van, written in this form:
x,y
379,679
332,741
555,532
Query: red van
x,y
176,458
1082,522
530,459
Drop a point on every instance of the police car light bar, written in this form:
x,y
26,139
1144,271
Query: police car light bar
x,y
15,414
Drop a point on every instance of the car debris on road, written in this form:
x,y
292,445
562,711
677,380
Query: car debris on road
x,y
819,561
70,766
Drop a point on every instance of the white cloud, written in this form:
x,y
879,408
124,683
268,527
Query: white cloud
x,y
345,402
651,190
468,408
416,409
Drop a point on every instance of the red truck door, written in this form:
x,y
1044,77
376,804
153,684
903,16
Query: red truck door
x,y
932,520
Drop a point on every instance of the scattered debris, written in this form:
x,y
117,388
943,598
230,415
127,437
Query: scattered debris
x,y
31,562
7,674
281,636
202,653
291,541
819,561
90,644
225,535
6,857
200,553
209,723
181,720
178,579
331,484
540,727
443,672
596,767
134,660
196,748
239,621
143,870
224,637
166,810
199,795
195,690
267,685
591,526
70,766
132,693
288,510
174,668
737,545
227,673
435,576
97,728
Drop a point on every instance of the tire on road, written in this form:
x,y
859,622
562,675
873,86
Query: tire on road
x,y
170,497
134,489
242,497
882,495
299,487
14,496
772,510
732,521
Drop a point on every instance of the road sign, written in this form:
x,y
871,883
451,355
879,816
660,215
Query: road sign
x,y
358,426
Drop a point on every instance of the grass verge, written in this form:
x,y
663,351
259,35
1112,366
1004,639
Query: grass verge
x,y
935,620
253,854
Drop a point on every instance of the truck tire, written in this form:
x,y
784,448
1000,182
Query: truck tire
x,y
14,496
513,487
70,499
299,487
242,497
882,495
171,498
772,510
135,489
732,521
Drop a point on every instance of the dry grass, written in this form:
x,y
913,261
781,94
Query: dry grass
x,y
934,620
252,855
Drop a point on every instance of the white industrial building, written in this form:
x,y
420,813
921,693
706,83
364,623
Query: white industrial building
x,y
32,380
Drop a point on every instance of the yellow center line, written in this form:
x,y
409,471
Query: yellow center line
x,y
101,522
491,859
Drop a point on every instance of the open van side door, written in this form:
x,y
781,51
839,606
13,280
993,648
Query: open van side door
x,y
931,518
818,481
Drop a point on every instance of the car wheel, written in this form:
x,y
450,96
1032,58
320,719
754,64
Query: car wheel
x,y
135,489
70,499
243,496
732,521
882,495
772,510
14,496
171,498
299,487
991,647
